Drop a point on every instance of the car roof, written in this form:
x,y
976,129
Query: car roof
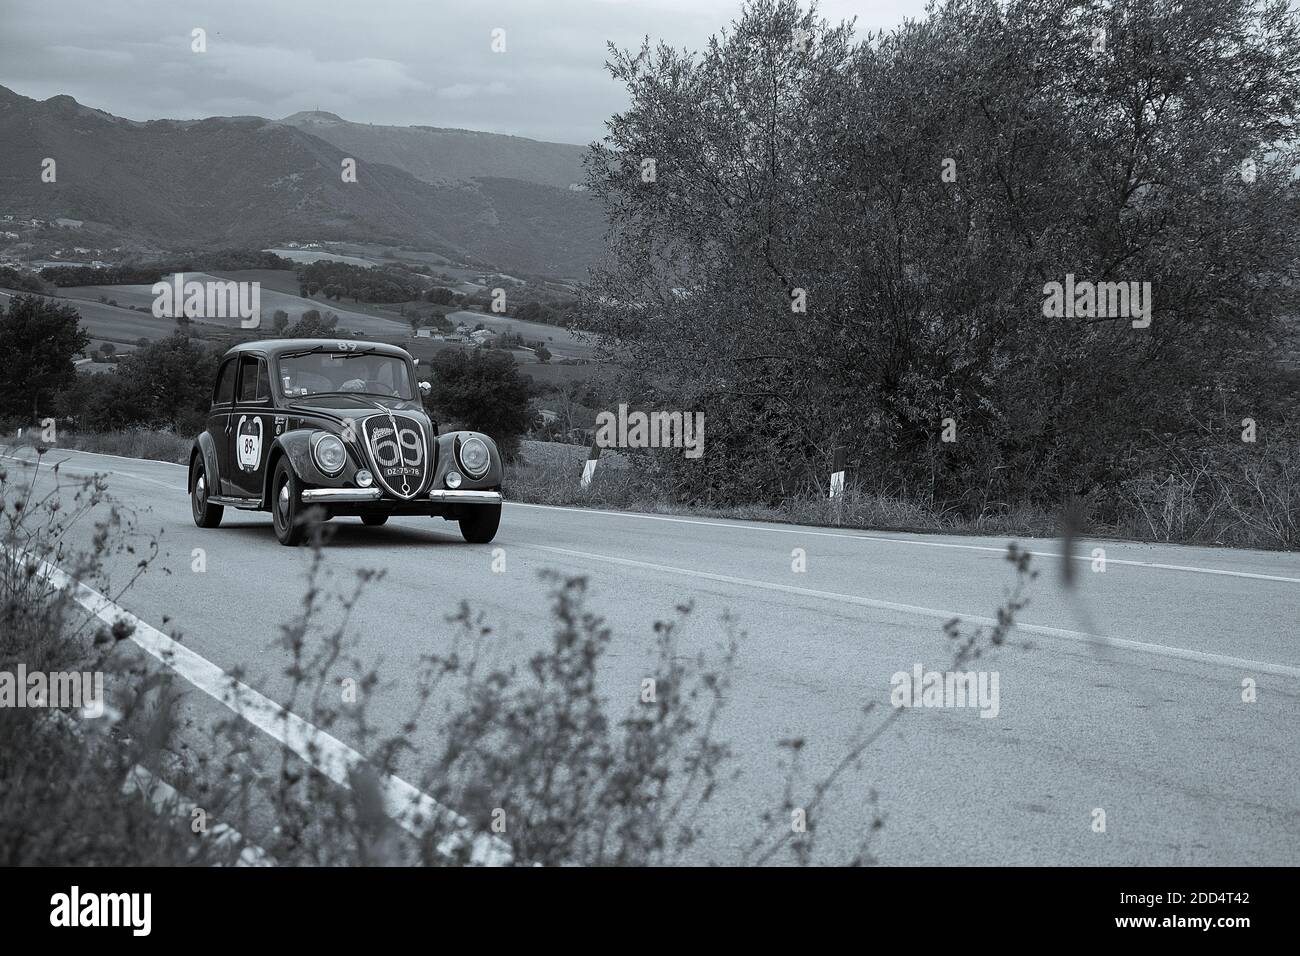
x,y
272,348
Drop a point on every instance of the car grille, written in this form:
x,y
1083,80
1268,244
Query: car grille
x,y
398,453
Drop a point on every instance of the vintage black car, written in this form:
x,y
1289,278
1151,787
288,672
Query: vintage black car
x,y
310,429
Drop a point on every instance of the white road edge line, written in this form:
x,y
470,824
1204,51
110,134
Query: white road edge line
x,y
409,806
67,467
864,536
97,454
1118,643
162,797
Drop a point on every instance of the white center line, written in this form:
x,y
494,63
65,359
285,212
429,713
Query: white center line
x,y
1120,643
71,469
866,536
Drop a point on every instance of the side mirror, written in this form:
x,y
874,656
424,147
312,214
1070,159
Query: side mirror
x,y
426,387
416,361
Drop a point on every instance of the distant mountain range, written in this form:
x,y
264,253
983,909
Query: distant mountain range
x,y
448,155
481,198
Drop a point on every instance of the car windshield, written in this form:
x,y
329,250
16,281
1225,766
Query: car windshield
x,y
360,372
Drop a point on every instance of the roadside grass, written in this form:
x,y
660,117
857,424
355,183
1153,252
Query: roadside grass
x,y
153,444
548,473
525,754
1241,501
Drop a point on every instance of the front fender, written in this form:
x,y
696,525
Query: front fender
x,y
205,446
447,461
296,446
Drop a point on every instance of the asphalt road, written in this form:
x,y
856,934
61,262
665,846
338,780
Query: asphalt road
x,y
1147,724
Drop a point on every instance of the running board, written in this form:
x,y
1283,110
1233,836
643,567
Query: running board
x,y
244,504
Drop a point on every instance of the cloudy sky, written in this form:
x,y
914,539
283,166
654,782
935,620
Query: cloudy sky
x,y
406,62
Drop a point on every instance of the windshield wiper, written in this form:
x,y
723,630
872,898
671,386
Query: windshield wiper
x,y
325,348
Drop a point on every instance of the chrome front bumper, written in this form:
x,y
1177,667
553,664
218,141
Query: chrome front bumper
x,y
313,495
463,497
439,495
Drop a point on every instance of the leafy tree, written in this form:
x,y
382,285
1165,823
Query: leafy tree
x,y
280,321
165,384
361,283
313,325
869,228
38,340
483,391
529,312
22,281
542,352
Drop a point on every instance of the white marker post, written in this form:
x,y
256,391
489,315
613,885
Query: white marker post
x,y
837,473
589,469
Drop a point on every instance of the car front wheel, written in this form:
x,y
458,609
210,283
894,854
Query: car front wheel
x,y
479,526
287,512
206,514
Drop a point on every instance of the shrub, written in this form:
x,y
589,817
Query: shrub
x,y
313,325
165,384
22,281
38,340
483,391
62,779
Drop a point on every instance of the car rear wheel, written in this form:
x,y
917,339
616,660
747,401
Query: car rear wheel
x,y
287,511
479,526
206,514
374,521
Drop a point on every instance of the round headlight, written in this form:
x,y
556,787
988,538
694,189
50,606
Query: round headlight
x,y
474,457
330,454
365,479
453,479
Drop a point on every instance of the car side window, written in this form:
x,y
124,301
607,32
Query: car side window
x,y
254,381
224,393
